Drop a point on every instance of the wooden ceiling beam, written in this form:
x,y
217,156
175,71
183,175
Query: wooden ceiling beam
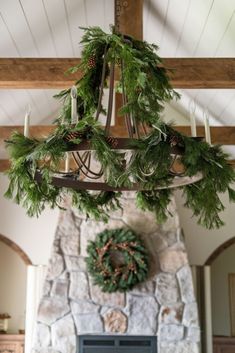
x,y
223,135
37,73
50,73
201,72
4,165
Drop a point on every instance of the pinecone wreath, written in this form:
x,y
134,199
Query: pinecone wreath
x,y
117,260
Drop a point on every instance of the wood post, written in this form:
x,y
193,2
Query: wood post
x,y
129,17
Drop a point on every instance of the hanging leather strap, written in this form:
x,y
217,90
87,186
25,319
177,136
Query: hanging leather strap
x,y
110,103
102,84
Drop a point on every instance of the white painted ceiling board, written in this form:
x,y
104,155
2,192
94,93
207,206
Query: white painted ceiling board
x,y
14,20
9,106
95,12
229,150
172,30
7,46
77,18
36,18
108,14
227,44
195,26
154,16
216,25
59,29
14,104
5,118
219,103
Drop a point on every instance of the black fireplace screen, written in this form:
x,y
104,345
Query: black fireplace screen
x,y
117,344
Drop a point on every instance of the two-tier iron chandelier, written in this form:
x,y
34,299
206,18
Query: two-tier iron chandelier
x,y
91,162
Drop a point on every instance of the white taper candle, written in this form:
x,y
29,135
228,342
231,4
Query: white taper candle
x,y
207,127
192,109
74,114
67,162
26,122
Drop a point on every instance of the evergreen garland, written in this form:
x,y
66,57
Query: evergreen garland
x,y
117,260
147,88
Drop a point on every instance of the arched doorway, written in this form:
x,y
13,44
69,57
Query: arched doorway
x,y
217,252
14,264
17,249
222,274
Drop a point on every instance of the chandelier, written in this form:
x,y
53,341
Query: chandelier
x,y
89,161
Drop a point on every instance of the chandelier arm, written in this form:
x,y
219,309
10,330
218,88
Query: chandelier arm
x,y
81,164
124,102
77,160
144,129
86,169
90,174
101,85
110,104
136,125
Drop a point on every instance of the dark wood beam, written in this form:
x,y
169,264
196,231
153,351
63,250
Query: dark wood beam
x,y
37,131
129,17
4,165
50,73
201,72
223,135
37,73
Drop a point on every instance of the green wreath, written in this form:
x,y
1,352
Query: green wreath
x,y
117,260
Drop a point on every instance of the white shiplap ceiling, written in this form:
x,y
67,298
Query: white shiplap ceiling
x,y
44,28
50,28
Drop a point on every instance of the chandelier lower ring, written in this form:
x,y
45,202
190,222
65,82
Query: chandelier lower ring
x,y
65,181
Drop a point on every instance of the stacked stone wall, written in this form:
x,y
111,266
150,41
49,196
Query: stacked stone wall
x,y
164,305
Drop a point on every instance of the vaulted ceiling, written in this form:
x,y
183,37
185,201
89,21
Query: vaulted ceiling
x,y
50,28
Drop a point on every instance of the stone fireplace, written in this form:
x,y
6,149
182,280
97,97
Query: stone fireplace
x,y
163,306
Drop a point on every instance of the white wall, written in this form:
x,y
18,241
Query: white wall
x,y
201,242
221,267
33,235
12,287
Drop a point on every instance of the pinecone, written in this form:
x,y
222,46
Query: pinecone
x,y
91,62
111,141
174,140
73,135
